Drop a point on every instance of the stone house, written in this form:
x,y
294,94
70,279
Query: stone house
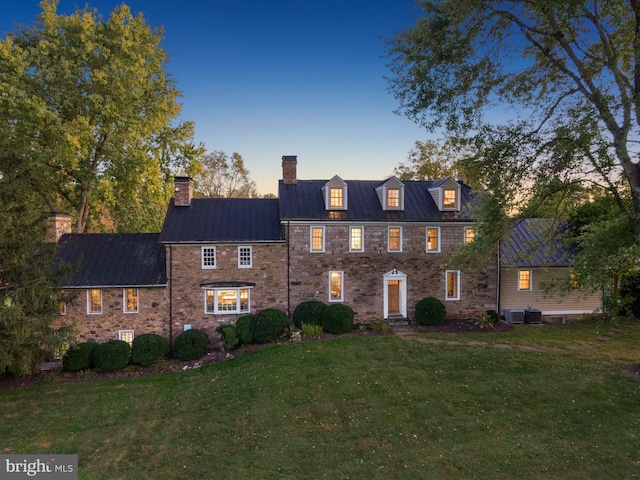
x,y
378,246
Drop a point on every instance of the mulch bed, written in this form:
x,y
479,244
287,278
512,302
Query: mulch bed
x,y
218,355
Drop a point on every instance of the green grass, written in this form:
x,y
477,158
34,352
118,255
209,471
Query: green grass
x,y
375,407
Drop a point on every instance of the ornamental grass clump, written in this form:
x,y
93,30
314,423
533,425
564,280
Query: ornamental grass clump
x,y
148,348
430,312
111,356
311,330
191,345
269,325
78,357
309,312
338,319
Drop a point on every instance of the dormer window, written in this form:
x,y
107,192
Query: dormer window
x,y
446,194
335,194
449,198
393,198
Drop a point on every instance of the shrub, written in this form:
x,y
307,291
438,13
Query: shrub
x,y
311,329
111,356
149,348
269,325
229,336
243,329
380,326
309,312
338,319
430,311
78,357
191,345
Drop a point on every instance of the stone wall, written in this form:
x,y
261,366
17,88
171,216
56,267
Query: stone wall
x,y
184,264
151,317
364,271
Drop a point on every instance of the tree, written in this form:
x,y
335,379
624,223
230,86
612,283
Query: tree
x,y
29,293
222,176
432,159
86,110
571,68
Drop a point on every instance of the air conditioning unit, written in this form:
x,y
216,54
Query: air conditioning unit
x,y
532,315
514,316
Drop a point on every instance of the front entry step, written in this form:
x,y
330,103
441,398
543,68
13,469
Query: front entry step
x,y
397,320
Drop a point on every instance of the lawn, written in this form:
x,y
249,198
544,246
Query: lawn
x,y
378,407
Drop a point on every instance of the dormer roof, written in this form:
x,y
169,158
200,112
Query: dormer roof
x,y
446,193
391,194
335,193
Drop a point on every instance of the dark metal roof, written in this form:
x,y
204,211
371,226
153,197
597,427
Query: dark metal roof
x,y
536,242
304,201
114,259
223,220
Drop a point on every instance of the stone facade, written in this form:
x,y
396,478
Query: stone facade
x,y
364,272
186,276
151,317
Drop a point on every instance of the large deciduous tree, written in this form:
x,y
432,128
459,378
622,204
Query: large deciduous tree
x,y
86,116
430,160
224,176
566,73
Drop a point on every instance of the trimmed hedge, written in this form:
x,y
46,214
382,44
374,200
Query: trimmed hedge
x,y
191,345
309,312
111,356
148,348
243,329
338,319
229,336
430,311
269,325
79,357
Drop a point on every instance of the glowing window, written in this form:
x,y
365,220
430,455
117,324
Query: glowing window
x,y
130,300
335,197
433,239
317,239
395,239
94,300
393,197
469,235
524,279
453,285
356,244
335,286
449,198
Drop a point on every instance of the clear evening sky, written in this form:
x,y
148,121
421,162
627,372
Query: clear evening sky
x,y
267,78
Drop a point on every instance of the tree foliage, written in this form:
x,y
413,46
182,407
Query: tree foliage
x,y
224,176
86,111
432,159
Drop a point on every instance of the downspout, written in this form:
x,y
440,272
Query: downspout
x,y
288,275
498,281
170,299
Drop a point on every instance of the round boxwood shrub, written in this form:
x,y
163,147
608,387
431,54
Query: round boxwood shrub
x,y
78,357
243,329
430,311
338,319
111,356
269,325
229,336
191,345
148,348
309,313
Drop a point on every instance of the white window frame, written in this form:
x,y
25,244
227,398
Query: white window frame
x,y
389,198
389,240
124,300
446,285
351,229
331,275
332,198
250,249
205,257
437,249
122,333
311,249
455,199
238,310
89,311
521,270
466,238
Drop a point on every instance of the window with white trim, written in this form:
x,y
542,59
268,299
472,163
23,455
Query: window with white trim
x,y
335,197
433,239
453,285
317,239
524,280
336,286
208,257
94,301
449,198
226,300
393,197
126,336
245,257
130,303
356,239
394,239
469,235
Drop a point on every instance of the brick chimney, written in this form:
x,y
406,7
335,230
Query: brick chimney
x,y
57,224
183,191
289,163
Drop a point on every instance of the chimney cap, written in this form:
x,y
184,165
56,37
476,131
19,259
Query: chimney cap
x,y
290,158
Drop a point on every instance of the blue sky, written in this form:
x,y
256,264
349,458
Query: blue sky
x,y
267,78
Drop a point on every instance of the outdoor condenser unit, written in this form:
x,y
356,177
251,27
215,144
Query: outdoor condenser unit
x,y
514,316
